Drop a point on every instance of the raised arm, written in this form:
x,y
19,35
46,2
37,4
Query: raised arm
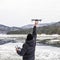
x,y
34,33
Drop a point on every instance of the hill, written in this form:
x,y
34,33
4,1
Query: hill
x,y
4,29
51,28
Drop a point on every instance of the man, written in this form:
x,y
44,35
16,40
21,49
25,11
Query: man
x,y
28,49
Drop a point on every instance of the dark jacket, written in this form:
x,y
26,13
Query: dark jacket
x,y
28,49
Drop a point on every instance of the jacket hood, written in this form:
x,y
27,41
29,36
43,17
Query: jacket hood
x,y
30,42
29,37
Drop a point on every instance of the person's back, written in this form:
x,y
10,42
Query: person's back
x,y
30,50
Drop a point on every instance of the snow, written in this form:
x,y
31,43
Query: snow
x,y
7,52
47,53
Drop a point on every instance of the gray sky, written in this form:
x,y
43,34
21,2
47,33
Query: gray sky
x,y
20,12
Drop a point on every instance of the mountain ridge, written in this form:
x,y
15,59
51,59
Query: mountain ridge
x,y
4,29
52,28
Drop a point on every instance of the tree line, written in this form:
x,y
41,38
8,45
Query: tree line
x,y
40,30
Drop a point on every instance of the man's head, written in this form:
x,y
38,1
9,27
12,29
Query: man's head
x,y
29,37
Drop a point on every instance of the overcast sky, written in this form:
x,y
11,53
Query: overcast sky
x,y
20,12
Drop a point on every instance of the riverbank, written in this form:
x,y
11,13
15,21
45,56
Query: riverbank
x,y
53,40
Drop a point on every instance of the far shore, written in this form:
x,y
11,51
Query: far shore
x,y
39,36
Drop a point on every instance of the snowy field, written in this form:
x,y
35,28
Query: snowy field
x,y
7,51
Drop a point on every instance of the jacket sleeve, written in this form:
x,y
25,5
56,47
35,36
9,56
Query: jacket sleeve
x,y
23,50
34,33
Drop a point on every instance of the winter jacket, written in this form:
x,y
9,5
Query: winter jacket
x,y
28,49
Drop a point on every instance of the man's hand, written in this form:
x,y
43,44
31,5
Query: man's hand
x,y
18,49
36,23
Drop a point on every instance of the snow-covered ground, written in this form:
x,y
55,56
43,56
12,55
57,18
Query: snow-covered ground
x,y
7,52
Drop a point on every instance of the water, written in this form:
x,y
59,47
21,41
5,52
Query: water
x,y
8,52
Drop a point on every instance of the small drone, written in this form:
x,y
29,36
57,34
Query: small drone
x,y
36,19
